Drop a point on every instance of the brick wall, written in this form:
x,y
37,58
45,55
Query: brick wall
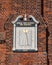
x,y
48,18
9,10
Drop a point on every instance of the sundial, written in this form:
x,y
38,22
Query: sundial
x,y
25,36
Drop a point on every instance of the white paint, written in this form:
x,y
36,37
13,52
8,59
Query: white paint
x,y
21,40
15,35
20,16
25,18
30,16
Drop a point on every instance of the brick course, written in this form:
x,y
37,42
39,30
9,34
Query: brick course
x,y
42,11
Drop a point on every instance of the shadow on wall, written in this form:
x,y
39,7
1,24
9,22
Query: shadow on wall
x,y
47,35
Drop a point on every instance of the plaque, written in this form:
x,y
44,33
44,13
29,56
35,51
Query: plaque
x,y
25,35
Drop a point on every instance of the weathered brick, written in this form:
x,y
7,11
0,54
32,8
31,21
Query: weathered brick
x,y
9,10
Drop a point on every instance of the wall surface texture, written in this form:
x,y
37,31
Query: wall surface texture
x,y
42,11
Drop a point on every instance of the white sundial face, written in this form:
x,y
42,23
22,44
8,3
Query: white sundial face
x,y
25,38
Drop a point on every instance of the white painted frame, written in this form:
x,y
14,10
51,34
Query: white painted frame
x,y
14,29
